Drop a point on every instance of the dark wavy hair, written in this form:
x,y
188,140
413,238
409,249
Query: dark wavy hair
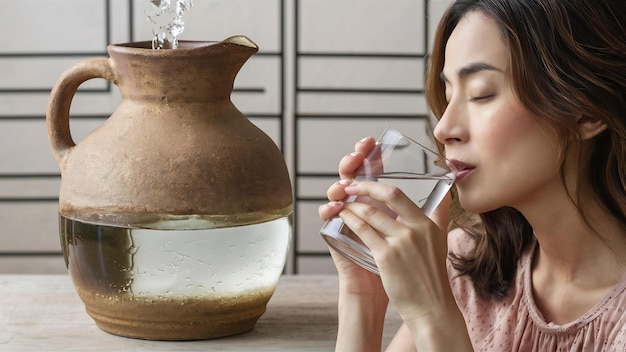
x,y
567,60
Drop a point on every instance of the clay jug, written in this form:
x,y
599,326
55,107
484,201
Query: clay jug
x,y
175,213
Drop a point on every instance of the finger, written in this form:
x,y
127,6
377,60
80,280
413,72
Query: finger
x,y
368,235
353,161
349,164
392,196
330,209
376,214
365,145
373,163
336,190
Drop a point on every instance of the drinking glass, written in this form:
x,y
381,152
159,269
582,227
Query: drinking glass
x,y
400,161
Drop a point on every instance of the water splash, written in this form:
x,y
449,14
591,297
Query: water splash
x,y
167,22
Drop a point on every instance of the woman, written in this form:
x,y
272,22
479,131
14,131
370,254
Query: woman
x,y
530,101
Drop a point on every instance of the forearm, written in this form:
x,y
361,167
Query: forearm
x,y
361,323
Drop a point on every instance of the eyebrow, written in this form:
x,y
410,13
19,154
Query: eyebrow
x,y
470,69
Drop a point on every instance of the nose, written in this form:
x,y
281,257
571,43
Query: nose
x,y
451,127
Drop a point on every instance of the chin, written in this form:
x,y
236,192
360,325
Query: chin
x,y
476,205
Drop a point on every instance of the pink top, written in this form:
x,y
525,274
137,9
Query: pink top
x,y
516,324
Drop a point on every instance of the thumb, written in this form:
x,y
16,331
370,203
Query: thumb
x,y
441,214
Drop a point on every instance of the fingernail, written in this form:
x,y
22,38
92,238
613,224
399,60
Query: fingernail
x,y
364,139
355,153
345,181
351,186
335,203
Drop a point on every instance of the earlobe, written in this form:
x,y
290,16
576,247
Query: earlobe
x,y
590,128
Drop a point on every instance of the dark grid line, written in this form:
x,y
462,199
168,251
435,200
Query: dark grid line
x,y
43,117
313,254
68,54
47,90
300,90
364,56
361,90
362,116
31,254
28,199
29,175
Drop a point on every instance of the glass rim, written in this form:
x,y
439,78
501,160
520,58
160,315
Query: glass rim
x,y
391,129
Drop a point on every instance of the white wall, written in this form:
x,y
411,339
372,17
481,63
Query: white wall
x,y
331,72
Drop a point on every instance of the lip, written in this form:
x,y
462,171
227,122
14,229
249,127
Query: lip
x,y
460,169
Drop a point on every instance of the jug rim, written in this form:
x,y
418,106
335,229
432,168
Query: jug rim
x,y
182,45
185,45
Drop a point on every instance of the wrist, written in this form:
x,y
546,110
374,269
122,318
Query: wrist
x,y
440,332
361,322
371,306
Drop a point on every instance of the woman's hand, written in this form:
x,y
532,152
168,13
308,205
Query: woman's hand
x,y
410,250
353,279
362,298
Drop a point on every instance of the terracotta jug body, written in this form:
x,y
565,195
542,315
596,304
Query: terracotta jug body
x,y
175,213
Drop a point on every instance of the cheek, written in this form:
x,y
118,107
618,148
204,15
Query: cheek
x,y
497,141
505,131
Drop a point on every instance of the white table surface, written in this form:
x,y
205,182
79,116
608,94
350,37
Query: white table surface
x,y
44,313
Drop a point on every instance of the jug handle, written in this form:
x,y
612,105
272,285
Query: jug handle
x,y
58,115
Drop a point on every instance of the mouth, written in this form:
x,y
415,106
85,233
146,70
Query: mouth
x,y
460,169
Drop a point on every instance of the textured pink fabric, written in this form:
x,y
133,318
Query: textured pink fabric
x,y
516,324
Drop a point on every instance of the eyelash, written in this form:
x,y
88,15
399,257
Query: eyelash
x,y
482,98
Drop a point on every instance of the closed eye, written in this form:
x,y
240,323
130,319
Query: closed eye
x,y
482,98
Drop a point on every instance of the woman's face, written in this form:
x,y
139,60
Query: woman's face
x,y
502,156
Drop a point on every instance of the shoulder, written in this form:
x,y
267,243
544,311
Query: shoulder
x,y
471,305
460,242
611,320
485,318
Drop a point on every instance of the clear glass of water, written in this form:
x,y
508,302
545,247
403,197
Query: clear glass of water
x,y
400,161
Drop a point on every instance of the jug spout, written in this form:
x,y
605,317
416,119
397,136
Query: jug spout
x,y
238,49
243,41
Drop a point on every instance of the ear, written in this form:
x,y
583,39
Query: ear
x,y
589,127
